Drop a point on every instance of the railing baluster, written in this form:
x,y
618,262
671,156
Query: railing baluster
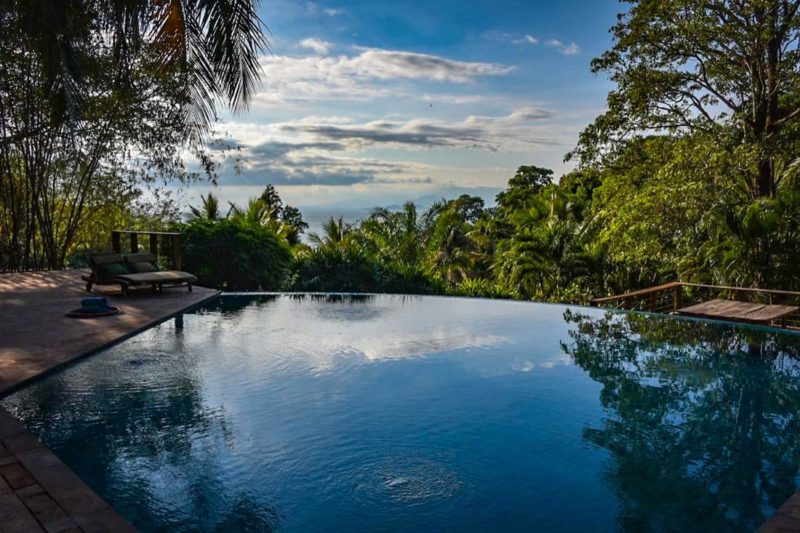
x,y
152,243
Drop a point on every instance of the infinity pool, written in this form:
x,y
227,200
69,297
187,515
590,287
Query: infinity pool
x,y
390,413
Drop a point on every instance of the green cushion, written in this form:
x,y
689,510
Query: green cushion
x,y
112,269
142,266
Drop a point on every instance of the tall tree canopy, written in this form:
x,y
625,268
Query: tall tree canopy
x,y
725,67
212,44
108,95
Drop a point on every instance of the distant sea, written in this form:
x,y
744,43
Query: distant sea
x,y
317,215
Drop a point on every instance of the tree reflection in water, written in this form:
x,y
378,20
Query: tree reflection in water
x,y
702,419
159,450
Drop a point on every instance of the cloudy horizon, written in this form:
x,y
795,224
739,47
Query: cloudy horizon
x,y
367,103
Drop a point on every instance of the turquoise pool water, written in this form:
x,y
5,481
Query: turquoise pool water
x,y
393,413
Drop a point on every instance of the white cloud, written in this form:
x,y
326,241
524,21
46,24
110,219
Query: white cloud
x,y
566,49
299,163
364,75
388,64
335,11
317,45
520,129
456,99
527,39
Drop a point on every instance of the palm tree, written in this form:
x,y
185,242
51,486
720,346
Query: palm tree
x,y
394,236
334,232
208,210
453,253
260,212
213,45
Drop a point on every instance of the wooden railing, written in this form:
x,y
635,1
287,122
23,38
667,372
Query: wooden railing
x,y
670,297
170,241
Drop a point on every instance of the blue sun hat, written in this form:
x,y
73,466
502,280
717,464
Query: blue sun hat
x,y
93,307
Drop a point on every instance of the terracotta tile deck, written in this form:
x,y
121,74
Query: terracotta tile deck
x,y
38,493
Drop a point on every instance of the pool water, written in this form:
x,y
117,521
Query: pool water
x,y
392,413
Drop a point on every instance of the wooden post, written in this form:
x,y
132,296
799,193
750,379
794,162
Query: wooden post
x,y
177,260
115,242
179,321
134,243
154,244
676,298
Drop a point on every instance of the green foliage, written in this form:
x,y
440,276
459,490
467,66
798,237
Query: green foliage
x,y
208,210
523,187
478,288
233,255
754,243
268,211
718,67
108,96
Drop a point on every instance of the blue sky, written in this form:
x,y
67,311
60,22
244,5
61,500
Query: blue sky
x,y
368,103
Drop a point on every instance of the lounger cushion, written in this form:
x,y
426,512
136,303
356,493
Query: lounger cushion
x,y
163,276
142,266
111,270
139,263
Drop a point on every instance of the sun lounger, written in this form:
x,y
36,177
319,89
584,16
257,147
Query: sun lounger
x,y
132,270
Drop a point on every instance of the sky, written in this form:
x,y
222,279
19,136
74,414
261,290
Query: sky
x,y
369,102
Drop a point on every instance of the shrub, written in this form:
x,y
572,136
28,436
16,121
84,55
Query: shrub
x,y
347,268
232,255
336,269
478,288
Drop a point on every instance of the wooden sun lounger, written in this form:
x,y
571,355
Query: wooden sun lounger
x,y
157,279
741,311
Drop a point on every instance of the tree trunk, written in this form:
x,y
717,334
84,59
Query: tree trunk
x,y
765,177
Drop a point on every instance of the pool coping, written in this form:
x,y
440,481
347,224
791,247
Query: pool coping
x,y
38,492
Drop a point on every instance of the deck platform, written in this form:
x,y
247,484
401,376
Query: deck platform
x,y
739,311
37,491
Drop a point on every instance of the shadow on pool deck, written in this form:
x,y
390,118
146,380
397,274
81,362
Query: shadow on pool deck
x,y
37,491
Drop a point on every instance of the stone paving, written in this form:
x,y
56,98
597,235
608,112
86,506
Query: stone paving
x,y
38,493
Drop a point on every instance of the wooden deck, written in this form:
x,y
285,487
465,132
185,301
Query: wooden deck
x,y
777,308
38,492
739,311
